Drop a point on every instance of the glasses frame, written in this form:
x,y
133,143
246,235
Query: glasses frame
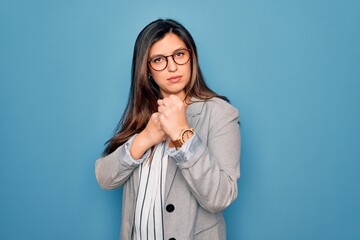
x,y
172,56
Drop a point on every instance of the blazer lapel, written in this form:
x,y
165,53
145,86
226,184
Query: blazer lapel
x,y
170,175
193,115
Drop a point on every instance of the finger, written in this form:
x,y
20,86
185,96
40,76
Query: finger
x,y
155,115
152,117
161,118
154,120
166,102
161,109
160,102
174,101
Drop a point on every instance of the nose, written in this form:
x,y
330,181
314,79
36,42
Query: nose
x,y
172,66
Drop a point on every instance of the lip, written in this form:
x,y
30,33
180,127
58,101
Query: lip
x,y
174,79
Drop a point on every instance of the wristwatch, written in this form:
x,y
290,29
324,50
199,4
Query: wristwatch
x,y
184,135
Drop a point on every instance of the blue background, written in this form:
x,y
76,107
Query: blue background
x,y
291,68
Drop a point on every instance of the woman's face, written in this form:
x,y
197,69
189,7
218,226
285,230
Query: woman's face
x,y
174,78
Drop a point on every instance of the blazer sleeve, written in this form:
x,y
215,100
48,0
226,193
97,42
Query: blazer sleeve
x,y
212,171
113,170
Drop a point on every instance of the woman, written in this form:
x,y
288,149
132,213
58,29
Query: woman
x,y
177,146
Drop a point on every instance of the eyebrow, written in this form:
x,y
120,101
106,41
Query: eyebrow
x,y
158,55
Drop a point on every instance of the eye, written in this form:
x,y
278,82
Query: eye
x,y
180,54
158,60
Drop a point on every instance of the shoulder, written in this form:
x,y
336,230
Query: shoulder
x,y
218,106
214,107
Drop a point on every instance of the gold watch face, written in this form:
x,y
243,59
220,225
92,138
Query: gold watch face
x,y
187,134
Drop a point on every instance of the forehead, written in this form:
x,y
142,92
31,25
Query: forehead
x,y
167,45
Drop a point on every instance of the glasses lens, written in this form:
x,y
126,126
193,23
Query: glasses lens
x,y
158,63
182,56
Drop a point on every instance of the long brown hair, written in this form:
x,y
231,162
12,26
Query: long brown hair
x,y
144,92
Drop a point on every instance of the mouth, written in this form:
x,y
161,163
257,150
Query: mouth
x,y
174,79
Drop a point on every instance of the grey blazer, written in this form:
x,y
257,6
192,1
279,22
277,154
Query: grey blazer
x,y
197,190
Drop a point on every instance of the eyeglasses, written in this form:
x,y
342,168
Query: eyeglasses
x,y
160,62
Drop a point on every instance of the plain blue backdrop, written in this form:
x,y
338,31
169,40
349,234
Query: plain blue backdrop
x,y
290,66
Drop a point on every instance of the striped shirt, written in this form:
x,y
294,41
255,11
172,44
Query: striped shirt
x,y
149,203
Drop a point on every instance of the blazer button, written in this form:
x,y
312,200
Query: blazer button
x,y
170,208
172,238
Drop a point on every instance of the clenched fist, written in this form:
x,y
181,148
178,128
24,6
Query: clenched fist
x,y
172,116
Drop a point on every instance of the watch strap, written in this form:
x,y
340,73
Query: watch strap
x,y
180,140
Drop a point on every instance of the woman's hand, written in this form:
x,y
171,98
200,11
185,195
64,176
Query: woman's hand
x,y
153,131
150,136
172,117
